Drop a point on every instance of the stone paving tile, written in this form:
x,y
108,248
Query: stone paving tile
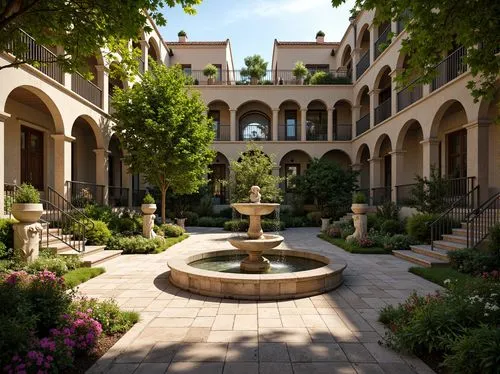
x,y
268,312
197,335
382,354
171,322
243,352
241,368
273,352
315,352
312,320
180,312
275,368
276,334
356,352
151,368
122,368
223,322
201,352
245,322
367,368
292,321
323,368
207,312
162,352
195,368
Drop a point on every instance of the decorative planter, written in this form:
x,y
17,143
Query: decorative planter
x,y
210,80
254,80
148,208
27,212
300,81
181,222
324,223
359,208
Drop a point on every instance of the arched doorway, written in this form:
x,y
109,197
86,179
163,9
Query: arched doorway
x,y
292,164
218,111
383,181
383,30
339,157
288,119
363,102
342,120
254,119
383,86
363,166
220,173
316,121
118,191
363,45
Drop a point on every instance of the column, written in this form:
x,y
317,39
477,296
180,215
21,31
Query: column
x,y
126,181
62,162
477,156
3,118
66,77
145,54
394,29
372,30
375,174
103,84
303,127
430,155
232,123
355,58
373,104
394,92
274,124
355,114
329,124
101,171
397,167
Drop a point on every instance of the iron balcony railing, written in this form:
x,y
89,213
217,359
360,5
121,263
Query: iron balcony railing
x,y
363,124
482,220
382,41
363,64
83,193
316,132
223,133
408,95
86,89
342,131
32,52
270,77
117,196
289,132
380,195
450,68
383,111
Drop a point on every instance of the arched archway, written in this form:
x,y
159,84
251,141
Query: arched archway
x,y
254,119
381,191
316,121
488,113
218,111
411,93
382,40
346,60
363,102
288,120
342,120
30,152
220,173
363,166
363,46
383,87
338,156
293,163
153,50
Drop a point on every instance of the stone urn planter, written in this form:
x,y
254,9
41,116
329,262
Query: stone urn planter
x,y
254,80
27,212
210,81
359,208
325,222
181,222
148,208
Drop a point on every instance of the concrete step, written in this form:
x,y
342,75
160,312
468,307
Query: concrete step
x,y
448,246
89,250
426,250
455,238
420,259
53,239
100,257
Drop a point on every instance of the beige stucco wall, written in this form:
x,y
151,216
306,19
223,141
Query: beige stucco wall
x,y
199,56
287,56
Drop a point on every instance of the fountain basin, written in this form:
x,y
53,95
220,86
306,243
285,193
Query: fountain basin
x,y
266,242
256,286
255,209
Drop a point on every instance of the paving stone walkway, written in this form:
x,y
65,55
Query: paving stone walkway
x,y
180,332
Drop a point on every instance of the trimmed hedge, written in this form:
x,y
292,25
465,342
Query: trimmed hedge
x,y
242,225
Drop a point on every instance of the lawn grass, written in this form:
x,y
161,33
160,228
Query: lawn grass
x,y
439,275
74,277
168,242
342,243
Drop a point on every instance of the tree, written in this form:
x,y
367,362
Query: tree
x,y
164,131
329,184
254,168
255,67
428,195
79,27
435,27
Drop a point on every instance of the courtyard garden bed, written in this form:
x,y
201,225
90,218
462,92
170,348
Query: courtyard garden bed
x,y
352,246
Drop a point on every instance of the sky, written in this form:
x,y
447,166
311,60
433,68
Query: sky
x,y
252,25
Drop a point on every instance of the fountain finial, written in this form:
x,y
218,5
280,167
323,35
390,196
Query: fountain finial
x,y
255,194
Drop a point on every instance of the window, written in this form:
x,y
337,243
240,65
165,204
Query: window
x,y
317,67
186,68
214,115
457,154
291,170
254,126
316,124
291,124
218,78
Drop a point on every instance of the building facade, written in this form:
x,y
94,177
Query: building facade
x,y
56,130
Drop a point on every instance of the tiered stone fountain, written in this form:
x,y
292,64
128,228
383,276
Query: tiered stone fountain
x,y
289,273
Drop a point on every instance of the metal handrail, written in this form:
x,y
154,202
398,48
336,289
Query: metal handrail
x,y
68,207
482,219
455,212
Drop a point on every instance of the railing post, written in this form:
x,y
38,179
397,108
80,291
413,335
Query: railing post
x,y
375,165
397,166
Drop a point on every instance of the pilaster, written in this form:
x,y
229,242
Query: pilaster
x,y
303,123
329,124
3,118
274,124
62,162
232,123
430,155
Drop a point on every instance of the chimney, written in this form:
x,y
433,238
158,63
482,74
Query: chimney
x,y
320,37
182,36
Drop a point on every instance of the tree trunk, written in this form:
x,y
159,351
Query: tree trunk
x,y
163,203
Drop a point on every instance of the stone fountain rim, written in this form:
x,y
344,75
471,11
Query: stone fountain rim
x,y
264,286
256,204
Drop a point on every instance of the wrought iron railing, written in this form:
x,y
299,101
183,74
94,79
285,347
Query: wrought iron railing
x,y
458,212
288,132
29,51
342,131
317,132
83,193
9,191
86,89
382,41
408,95
383,111
117,196
223,133
363,64
380,195
363,124
482,220
450,68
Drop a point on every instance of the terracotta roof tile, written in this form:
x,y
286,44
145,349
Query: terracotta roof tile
x,y
196,43
329,44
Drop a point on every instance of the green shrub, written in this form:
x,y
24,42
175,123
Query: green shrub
x,y
270,225
292,221
473,261
7,232
314,218
192,218
388,211
418,226
171,231
99,235
211,221
226,213
134,244
99,212
397,242
322,77
359,198
476,352
26,193
390,226
494,239
56,265
148,199
346,229
242,225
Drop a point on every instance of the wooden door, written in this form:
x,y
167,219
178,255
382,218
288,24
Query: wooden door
x,y
32,157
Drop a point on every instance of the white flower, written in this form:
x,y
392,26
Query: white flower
x,y
446,281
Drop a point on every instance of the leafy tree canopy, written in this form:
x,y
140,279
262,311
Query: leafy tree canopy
x,y
255,67
254,168
80,27
329,184
436,27
164,131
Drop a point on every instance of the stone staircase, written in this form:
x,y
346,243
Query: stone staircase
x,y
94,254
424,256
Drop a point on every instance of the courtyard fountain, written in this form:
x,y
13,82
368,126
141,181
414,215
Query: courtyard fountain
x,y
264,273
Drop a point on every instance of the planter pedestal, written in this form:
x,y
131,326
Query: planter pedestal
x,y
148,220
27,238
181,222
324,223
360,226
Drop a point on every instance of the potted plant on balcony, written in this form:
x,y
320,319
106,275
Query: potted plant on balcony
x,y
359,205
27,207
255,68
299,72
210,72
148,204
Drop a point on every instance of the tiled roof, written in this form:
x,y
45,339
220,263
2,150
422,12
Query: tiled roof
x,y
308,43
196,43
